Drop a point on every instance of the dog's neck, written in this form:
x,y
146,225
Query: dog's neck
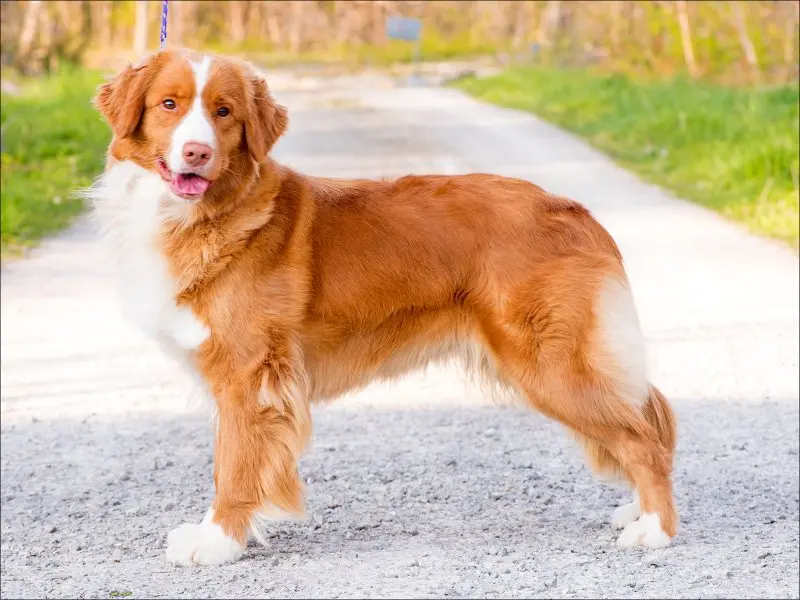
x,y
196,242
200,249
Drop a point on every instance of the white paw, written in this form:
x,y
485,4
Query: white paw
x,y
626,514
202,544
645,531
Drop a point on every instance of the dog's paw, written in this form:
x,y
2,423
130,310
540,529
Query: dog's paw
x,y
645,531
201,544
626,514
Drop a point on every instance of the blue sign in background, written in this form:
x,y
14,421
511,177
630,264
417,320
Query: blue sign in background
x,y
403,28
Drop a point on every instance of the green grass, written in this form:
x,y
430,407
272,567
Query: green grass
x,y
53,143
732,150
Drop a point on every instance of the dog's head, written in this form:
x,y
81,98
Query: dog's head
x,y
197,121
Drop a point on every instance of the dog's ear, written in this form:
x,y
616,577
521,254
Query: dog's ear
x,y
121,100
265,122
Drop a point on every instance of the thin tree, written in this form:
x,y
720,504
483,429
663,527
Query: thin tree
x,y
27,36
749,50
686,37
140,30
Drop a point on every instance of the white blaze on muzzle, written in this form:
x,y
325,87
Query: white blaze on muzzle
x,y
194,127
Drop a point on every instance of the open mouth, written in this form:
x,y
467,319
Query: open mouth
x,y
189,186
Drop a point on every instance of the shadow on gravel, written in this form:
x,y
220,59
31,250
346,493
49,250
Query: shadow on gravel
x,y
463,483
428,472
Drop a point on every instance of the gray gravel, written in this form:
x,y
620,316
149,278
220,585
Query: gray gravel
x,y
420,488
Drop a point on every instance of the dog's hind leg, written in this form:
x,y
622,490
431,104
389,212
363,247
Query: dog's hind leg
x,y
573,347
659,415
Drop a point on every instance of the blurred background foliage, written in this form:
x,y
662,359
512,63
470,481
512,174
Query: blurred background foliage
x,y
732,42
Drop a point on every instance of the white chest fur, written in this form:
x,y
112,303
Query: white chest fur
x,y
128,201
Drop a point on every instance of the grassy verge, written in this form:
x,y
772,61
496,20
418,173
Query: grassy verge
x,y
53,143
732,150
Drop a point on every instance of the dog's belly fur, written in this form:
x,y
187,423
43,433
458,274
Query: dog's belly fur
x,y
431,338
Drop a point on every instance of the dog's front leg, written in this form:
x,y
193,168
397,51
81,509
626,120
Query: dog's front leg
x,y
260,434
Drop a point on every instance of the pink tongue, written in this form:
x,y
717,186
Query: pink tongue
x,y
190,184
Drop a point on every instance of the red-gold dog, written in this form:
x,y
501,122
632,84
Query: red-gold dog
x,y
280,289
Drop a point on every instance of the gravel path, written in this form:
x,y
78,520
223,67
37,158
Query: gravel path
x,y
419,489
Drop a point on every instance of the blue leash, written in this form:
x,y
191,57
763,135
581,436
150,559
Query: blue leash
x,y
164,10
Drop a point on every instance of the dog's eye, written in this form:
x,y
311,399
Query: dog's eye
x,y
169,104
223,111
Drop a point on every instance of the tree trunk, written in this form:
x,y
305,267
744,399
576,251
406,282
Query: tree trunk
x,y
519,24
32,11
744,39
76,21
615,26
255,18
274,28
101,23
296,26
44,55
237,20
140,28
551,23
182,19
686,38
376,18
792,23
